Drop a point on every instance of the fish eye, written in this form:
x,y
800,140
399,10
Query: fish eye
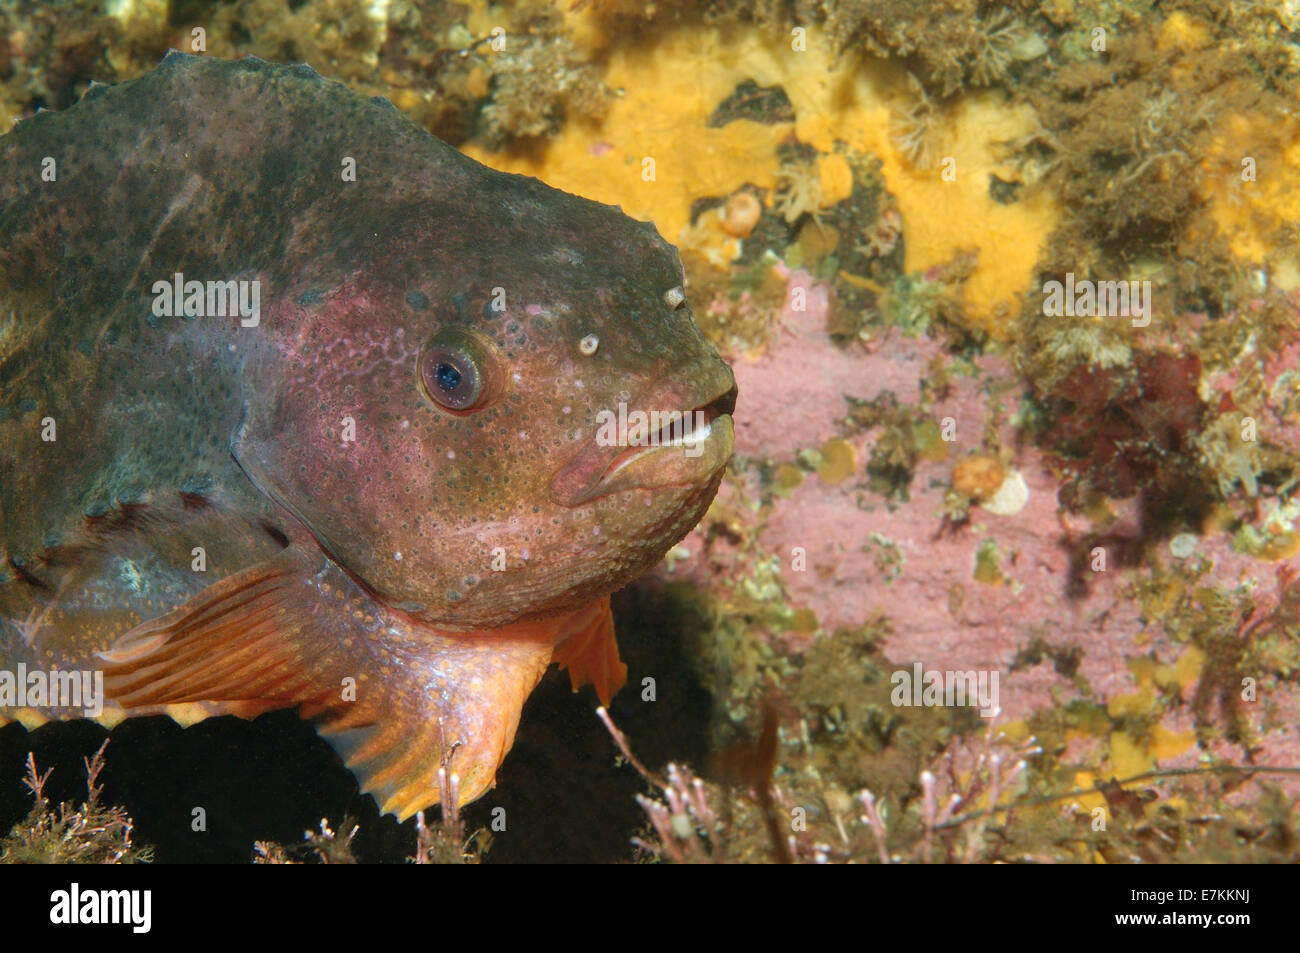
x,y
453,374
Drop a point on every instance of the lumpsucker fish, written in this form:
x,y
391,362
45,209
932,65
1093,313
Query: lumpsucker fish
x,y
301,407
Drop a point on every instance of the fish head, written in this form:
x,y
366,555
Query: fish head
x,y
452,423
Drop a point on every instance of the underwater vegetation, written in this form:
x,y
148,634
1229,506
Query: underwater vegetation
x,y
932,464
89,833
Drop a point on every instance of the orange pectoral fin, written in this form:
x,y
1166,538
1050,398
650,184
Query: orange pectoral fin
x,y
396,698
240,641
590,652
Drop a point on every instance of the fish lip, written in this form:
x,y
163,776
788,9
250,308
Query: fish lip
x,y
590,473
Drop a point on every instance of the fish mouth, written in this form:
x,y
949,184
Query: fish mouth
x,y
680,435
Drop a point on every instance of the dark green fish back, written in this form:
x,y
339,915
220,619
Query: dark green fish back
x,y
80,345
116,423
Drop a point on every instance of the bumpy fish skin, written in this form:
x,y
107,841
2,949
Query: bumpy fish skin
x,y
353,533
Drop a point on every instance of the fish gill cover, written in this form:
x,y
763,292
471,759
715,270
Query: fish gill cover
x,y
311,419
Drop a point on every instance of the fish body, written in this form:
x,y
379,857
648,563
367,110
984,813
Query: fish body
x,y
300,407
